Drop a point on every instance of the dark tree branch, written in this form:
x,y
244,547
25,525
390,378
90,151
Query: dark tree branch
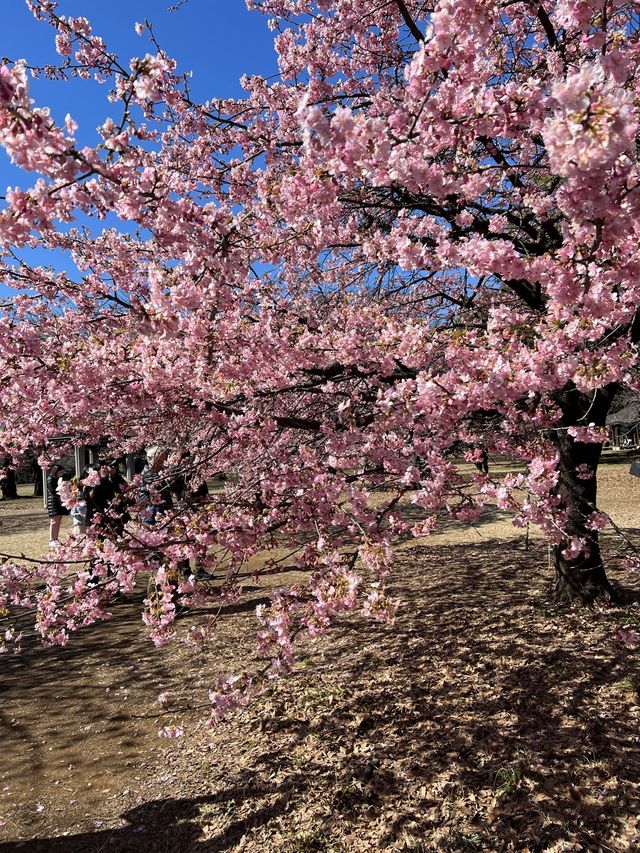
x,y
529,293
548,27
500,158
413,27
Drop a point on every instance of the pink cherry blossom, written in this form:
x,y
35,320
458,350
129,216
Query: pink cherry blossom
x,y
415,246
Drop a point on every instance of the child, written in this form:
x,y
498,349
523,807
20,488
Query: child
x,y
78,510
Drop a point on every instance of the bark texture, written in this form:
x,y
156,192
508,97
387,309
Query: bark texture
x,y
582,578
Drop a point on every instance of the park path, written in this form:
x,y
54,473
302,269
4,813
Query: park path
x,y
23,523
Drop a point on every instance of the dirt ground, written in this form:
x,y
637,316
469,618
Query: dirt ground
x,y
486,718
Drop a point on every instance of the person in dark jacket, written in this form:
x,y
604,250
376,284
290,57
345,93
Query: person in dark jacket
x,y
55,508
37,479
107,499
482,461
121,503
101,495
8,481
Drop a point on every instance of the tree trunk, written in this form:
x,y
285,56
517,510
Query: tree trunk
x,y
582,578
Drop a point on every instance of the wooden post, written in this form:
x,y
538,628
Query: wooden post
x,y
130,463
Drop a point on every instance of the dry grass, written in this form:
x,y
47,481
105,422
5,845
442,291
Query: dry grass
x,y
485,719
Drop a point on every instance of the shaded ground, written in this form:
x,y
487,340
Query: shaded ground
x,y
485,719
24,526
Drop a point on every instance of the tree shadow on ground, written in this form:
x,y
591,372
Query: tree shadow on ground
x,y
248,606
490,515
488,703
26,522
172,825
486,718
62,706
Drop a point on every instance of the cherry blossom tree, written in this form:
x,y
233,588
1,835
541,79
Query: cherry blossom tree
x,y
420,241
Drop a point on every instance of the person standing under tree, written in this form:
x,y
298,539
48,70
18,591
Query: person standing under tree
x,y
8,481
482,459
55,508
79,509
155,496
37,479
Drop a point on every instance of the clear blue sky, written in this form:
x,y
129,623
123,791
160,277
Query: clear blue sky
x,y
218,40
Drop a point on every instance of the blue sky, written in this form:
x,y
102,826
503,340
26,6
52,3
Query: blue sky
x,y
218,40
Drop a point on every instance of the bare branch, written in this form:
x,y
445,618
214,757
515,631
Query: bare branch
x,y
415,31
548,27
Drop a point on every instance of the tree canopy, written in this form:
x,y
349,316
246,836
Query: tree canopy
x,y
419,242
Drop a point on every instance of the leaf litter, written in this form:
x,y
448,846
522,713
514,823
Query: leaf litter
x,y
486,718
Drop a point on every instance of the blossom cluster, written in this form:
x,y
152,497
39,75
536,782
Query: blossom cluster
x,y
414,251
